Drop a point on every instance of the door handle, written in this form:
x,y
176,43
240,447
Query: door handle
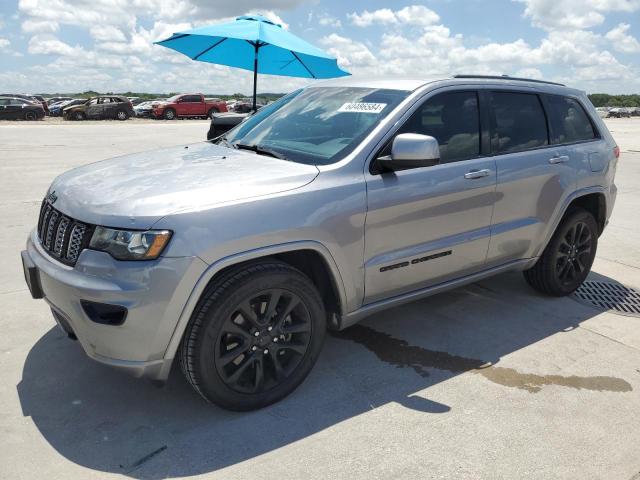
x,y
473,174
558,159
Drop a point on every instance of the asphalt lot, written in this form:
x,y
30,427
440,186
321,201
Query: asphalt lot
x,y
400,396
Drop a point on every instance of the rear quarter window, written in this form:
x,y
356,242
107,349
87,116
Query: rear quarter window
x,y
569,121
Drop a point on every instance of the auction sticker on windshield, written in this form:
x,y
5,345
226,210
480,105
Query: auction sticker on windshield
x,y
359,107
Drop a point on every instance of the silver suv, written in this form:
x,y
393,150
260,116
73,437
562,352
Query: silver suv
x,y
339,200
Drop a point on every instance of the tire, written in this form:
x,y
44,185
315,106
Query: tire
x,y
78,116
212,112
169,114
30,116
122,115
566,261
265,364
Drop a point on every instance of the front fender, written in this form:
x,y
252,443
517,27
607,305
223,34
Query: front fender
x,y
238,258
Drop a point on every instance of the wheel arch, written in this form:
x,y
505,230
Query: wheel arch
x,y
594,203
592,199
311,257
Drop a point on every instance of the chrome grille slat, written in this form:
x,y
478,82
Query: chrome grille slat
x,y
75,241
50,226
45,220
62,229
61,236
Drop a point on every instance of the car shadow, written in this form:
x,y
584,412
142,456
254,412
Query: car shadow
x,y
106,421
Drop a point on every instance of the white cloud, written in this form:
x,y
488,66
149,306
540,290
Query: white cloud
x,y
574,14
4,43
328,21
411,15
39,26
621,40
107,33
349,53
50,45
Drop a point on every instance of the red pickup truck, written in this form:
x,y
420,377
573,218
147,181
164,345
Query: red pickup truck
x,y
187,105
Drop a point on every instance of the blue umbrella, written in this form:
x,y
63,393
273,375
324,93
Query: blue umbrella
x,y
254,43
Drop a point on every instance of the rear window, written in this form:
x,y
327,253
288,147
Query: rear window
x,y
518,122
569,121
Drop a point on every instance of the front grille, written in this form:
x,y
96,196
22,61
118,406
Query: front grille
x,y
62,236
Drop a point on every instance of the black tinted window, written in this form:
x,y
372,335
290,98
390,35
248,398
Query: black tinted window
x,y
569,122
191,98
518,122
452,119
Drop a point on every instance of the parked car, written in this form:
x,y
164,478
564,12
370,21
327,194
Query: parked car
x,y
13,108
188,105
55,109
52,100
145,109
42,102
235,257
223,122
619,112
28,98
104,106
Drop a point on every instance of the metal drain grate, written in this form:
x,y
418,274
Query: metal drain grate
x,y
609,296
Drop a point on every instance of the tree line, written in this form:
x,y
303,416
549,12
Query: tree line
x,y
606,100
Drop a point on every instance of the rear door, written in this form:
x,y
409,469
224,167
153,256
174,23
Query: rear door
x,y
428,225
534,176
575,131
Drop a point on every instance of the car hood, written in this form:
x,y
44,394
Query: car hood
x,y
135,191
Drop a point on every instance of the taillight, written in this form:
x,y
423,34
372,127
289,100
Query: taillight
x,y
616,151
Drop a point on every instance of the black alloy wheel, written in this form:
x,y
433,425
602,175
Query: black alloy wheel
x,y
263,341
567,259
254,336
573,254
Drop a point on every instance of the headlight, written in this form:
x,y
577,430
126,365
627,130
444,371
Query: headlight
x,y
130,244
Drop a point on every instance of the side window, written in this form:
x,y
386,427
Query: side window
x,y
115,100
452,118
94,101
192,98
569,122
518,122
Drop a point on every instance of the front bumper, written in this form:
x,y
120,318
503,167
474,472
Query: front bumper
x,y
154,294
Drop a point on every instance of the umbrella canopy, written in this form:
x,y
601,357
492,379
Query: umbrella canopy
x,y
252,42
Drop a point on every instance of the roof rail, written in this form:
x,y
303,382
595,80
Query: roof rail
x,y
507,77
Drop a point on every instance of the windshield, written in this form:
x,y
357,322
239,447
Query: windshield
x,y
316,126
171,99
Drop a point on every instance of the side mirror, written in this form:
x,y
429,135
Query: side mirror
x,y
411,150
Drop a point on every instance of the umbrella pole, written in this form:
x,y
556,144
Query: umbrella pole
x,y
255,77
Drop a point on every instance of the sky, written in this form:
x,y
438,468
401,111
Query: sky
x,y
49,46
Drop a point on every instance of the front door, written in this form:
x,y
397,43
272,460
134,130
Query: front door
x,y
94,108
425,226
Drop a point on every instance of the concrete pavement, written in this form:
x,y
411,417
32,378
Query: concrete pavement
x,y
487,381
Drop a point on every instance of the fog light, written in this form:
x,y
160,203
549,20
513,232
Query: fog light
x,y
104,313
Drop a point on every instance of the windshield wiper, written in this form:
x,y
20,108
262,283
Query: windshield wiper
x,y
226,142
260,150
